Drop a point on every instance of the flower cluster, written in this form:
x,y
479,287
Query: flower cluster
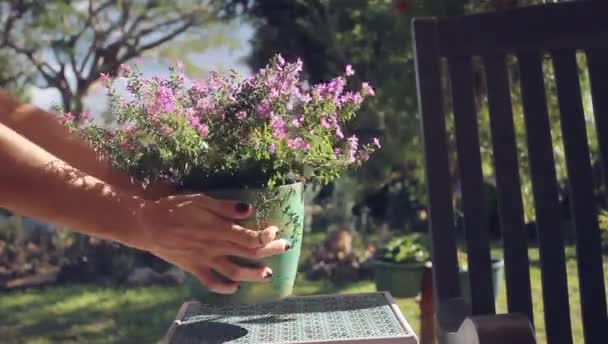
x,y
264,130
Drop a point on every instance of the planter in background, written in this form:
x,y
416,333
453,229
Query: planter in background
x,y
282,207
497,277
401,280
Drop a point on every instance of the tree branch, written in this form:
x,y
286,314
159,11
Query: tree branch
x,y
187,25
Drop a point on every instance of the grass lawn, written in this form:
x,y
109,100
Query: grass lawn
x,y
90,314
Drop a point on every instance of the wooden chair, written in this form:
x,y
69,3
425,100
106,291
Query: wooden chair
x,y
557,30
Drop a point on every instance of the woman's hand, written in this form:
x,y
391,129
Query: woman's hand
x,y
198,234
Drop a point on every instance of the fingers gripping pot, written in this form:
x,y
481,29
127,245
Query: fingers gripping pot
x,y
282,207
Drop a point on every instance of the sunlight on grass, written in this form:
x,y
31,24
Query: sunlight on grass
x,y
91,314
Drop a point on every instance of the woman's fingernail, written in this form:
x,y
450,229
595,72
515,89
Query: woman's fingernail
x,y
268,274
288,244
242,207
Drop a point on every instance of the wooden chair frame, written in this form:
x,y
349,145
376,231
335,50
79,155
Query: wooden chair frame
x,y
558,30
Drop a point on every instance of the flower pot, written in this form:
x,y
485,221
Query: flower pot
x,y
401,280
282,207
497,276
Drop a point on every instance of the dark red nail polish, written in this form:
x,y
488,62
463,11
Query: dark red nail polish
x,y
242,207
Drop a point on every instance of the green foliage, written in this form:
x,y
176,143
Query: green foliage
x,y
412,248
603,220
377,39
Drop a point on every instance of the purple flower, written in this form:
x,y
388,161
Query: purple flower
x,y
279,129
349,70
339,132
165,100
303,96
274,93
264,109
241,115
367,89
376,142
298,143
336,87
204,106
215,81
352,98
272,148
199,88
297,122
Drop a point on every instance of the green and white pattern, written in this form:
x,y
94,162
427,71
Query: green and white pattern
x,y
304,319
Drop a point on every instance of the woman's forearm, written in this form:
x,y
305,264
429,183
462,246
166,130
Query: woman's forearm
x,y
36,183
44,130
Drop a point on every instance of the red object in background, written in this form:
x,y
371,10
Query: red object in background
x,y
401,5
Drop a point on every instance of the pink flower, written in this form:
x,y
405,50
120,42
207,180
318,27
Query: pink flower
x,y
279,129
125,147
272,148
274,93
86,116
124,70
68,117
105,79
241,115
367,89
376,142
353,144
349,70
203,130
281,60
326,122
298,143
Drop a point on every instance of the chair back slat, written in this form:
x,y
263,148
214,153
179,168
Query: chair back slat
x,y
510,207
582,201
469,163
428,79
544,186
597,63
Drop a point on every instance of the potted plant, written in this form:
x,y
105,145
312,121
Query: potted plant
x,y
463,273
399,265
257,140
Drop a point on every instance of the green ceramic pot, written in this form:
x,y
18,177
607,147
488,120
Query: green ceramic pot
x,y
282,207
497,277
401,280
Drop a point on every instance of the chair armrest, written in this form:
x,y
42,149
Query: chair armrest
x,y
456,326
493,329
